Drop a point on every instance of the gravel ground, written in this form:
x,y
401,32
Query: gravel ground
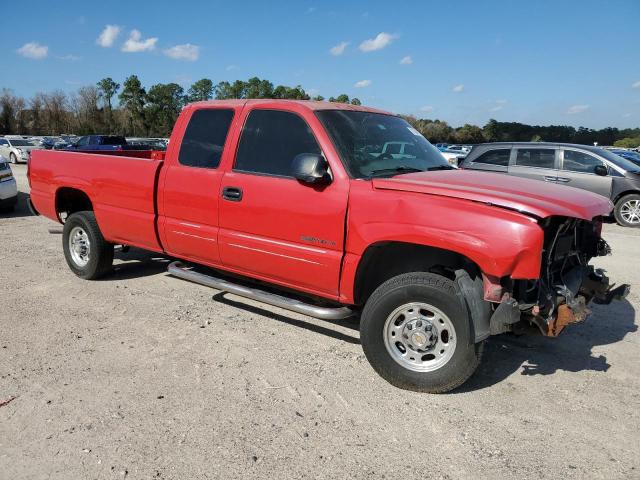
x,y
142,375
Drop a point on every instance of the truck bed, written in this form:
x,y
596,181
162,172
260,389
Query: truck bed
x,y
121,185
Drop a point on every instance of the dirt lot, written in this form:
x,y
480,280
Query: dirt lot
x,y
142,375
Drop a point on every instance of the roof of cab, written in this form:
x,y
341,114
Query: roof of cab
x,y
305,104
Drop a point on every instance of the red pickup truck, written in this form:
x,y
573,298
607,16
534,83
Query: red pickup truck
x,y
305,197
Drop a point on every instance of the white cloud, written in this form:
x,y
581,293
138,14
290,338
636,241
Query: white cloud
x,y
135,43
231,67
636,84
427,108
380,41
70,58
187,52
458,88
34,50
501,102
338,49
362,83
574,109
108,36
496,108
406,60
626,115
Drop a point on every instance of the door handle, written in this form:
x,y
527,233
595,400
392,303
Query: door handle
x,y
233,194
549,178
564,179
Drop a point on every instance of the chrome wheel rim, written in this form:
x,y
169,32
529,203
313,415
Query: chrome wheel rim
x,y
630,211
79,246
420,337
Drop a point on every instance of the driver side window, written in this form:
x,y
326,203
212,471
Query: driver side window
x,y
270,140
580,162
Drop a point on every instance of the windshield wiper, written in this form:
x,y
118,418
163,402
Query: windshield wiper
x,y
440,167
395,170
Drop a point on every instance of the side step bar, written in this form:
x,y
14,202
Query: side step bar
x,y
178,269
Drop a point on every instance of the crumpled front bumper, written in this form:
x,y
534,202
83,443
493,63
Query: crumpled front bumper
x,y
583,285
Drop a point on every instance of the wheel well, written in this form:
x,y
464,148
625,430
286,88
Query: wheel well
x,y
624,194
383,261
71,200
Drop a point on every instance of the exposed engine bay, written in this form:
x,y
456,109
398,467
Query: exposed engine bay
x,y
567,282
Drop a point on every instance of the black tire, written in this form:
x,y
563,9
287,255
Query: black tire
x,y
434,290
618,210
100,253
13,158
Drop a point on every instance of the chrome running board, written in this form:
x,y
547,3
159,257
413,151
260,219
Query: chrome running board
x,y
178,269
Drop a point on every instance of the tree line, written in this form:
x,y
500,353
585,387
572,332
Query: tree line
x,y
438,131
152,112
139,111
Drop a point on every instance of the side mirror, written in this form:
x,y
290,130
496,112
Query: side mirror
x,y
311,168
601,170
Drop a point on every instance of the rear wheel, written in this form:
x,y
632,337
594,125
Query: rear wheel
x,y
627,211
88,254
417,335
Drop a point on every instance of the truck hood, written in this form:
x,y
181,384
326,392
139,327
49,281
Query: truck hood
x,y
532,197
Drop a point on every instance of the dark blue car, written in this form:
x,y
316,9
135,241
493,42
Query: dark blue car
x,y
99,142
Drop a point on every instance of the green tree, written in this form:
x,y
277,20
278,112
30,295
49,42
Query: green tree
x,y
164,102
355,101
132,99
107,88
200,91
469,134
628,142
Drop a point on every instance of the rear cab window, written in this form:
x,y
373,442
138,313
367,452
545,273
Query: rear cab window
x,y
204,138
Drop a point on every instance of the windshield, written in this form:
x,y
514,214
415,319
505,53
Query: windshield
x,y
21,143
376,145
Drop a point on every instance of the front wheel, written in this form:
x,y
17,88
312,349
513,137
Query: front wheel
x,y
13,158
88,254
627,211
417,335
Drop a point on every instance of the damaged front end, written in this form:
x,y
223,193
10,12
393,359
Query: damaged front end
x,y
567,282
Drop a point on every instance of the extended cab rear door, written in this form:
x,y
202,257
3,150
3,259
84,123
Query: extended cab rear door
x,y
272,226
188,219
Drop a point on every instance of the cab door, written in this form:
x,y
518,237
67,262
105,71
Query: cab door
x,y
583,170
538,163
272,226
190,192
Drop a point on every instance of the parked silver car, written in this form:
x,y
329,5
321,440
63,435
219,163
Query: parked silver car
x,y
8,187
16,149
580,166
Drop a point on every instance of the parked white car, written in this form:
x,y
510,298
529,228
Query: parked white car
x,y
453,158
8,187
16,149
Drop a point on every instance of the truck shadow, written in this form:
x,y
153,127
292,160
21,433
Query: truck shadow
x,y
136,263
351,323
21,209
572,351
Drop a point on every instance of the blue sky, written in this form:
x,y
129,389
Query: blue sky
x,y
543,62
